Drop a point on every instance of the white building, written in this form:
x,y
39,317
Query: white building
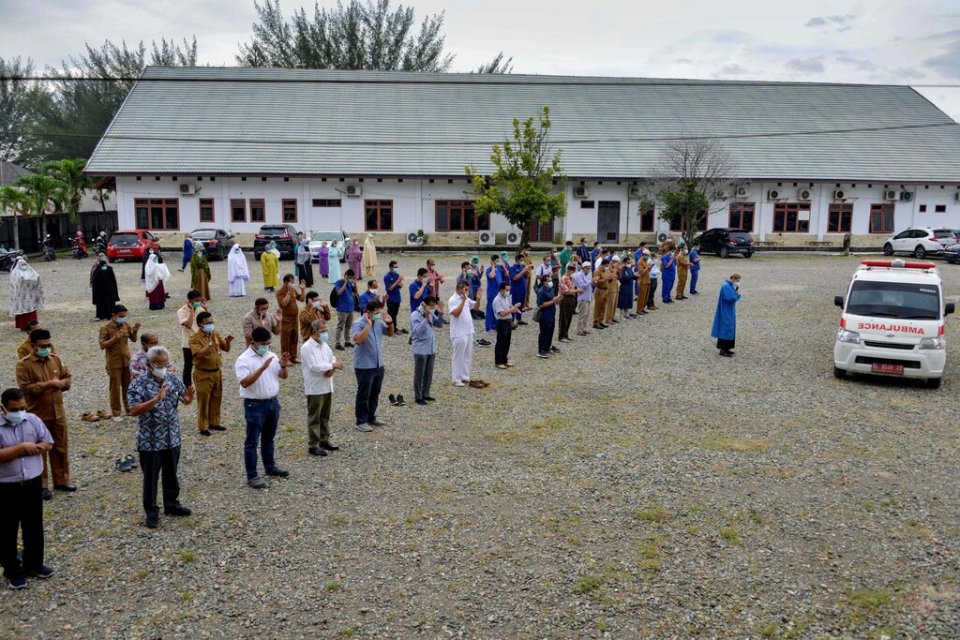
x,y
385,153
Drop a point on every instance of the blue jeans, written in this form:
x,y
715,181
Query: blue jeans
x,y
369,382
262,418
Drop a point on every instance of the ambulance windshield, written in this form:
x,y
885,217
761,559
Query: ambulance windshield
x,y
906,301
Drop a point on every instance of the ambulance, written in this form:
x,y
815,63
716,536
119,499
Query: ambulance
x,y
892,323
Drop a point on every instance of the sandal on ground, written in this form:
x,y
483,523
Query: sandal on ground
x,y
89,417
103,415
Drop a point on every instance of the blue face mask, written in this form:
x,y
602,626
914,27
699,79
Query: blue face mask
x,y
207,328
549,284
43,352
120,320
324,337
16,417
376,317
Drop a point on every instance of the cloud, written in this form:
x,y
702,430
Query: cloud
x,y
806,65
731,69
683,61
909,73
840,23
948,63
862,65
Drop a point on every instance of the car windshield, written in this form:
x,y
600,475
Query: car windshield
x,y
329,236
739,235
203,234
903,300
273,232
124,239
945,233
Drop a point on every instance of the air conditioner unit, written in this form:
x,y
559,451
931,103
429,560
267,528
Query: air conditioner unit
x,y
354,190
581,192
662,237
720,193
839,194
635,192
774,194
742,192
891,195
187,189
513,238
804,195
486,238
906,196
412,239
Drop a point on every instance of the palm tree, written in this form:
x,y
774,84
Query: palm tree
x,y
75,182
41,191
16,200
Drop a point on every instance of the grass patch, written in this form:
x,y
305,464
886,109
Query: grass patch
x,y
654,514
587,585
871,600
142,574
768,630
332,587
339,521
650,554
736,445
535,432
186,596
188,556
730,535
919,530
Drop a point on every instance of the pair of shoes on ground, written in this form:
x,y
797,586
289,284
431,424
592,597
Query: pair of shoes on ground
x,y
127,463
213,427
322,449
174,511
396,401
727,354
20,581
367,427
90,416
483,343
259,482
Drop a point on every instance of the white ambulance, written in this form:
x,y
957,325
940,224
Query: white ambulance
x,y
893,322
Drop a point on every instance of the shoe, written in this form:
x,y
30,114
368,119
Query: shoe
x,y
68,488
316,451
117,418
103,415
693,293
403,331
509,365
46,494
554,350
277,472
423,402
153,519
348,345
364,427
339,347
217,427
458,383
126,463
326,446
523,322
18,582
726,354
392,399
604,326
429,398
543,355
400,401
256,482
177,511
90,417
43,572
205,433
581,333
499,366
377,423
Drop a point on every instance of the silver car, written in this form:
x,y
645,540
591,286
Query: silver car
x,y
316,240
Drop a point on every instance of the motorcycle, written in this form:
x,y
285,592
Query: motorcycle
x,y
47,249
100,245
79,248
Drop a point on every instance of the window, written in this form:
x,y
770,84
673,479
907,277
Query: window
x,y
378,215
206,210
881,218
258,210
586,204
540,231
326,202
741,215
157,214
791,217
646,220
840,217
458,215
923,208
940,208
678,223
238,210
289,208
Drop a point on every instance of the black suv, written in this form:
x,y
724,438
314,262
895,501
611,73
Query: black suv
x,y
216,242
285,235
725,242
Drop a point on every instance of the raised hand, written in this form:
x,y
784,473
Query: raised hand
x,y
278,316
163,392
188,394
386,318
229,338
136,327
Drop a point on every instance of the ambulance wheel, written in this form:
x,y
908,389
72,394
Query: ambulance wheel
x,y
888,249
934,383
919,253
724,252
839,373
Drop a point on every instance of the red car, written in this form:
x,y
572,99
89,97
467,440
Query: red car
x,y
131,245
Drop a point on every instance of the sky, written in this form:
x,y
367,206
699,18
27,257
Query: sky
x,y
880,41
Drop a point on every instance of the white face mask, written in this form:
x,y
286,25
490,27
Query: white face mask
x,y
317,305
158,372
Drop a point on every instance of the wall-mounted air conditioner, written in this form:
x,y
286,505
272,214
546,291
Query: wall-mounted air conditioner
x,y
804,195
187,189
513,238
774,194
891,195
581,192
486,238
354,190
839,194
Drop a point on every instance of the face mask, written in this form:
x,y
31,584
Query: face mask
x,y
262,349
469,273
496,264
317,305
16,417
207,328
159,372
23,267
120,320
43,352
396,271
150,251
736,286
428,310
549,284
262,314
324,337
373,291
103,260
505,294
103,268
376,317
196,305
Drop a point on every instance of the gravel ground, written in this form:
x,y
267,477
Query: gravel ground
x,y
635,486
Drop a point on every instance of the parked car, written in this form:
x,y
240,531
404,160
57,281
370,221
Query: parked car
x,y
285,235
947,236
726,242
216,242
131,245
319,236
7,258
952,253
919,241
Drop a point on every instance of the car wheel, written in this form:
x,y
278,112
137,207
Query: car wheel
x,y
934,383
724,252
919,253
839,373
748,255
888,249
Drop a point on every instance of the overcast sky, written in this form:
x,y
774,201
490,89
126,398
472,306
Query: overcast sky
x,y
876,41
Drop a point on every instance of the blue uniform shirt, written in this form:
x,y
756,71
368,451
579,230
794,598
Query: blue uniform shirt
x,y
345,299
369,354
415,287
694,254
366,297
393,295
548,314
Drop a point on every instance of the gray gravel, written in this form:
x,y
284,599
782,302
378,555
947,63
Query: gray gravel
x,y
635,486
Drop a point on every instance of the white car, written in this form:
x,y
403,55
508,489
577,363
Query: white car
x,y
316,241
893,322
919,242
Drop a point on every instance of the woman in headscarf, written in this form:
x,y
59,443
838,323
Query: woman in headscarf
x,y
323,260
26,293
334,258
354,256
369,257
187,251
103,286
200,273
237,272
270,265
156,274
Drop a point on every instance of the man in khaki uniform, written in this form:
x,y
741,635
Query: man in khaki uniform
x,y
115,337
613,292
42,377
206,345
528,263
683,268
600,282
316,309
26,347
643,282
287,296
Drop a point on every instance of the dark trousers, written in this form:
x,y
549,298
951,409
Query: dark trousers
x,y
567,306
423,375
668,278
545,339
262,418
694,276
22,508
504,333
653,292
369,382
305,271
187,367
393,308
152,463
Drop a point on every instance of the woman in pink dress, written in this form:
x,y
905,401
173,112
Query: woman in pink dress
x,y
354,255
324,253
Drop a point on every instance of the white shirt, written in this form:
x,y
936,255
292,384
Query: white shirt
x,y
268,384
183,314
316,358
461,327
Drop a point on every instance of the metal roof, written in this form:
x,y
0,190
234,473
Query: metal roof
x,y
207,120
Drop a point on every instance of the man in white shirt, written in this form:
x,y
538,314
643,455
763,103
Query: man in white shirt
x,y
461,334
318,365
259,373
186,317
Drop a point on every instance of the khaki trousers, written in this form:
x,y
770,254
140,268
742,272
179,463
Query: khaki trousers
x,y
681,282
209,387
119,381
56,459
583,315
318,419
289,339
643,296
613,294
599,305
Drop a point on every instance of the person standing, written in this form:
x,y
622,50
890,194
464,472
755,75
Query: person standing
x,y
493,276
627,281
187,251
346,289
369,257
238,272
323,260
668,267
319,366
355,257
565,257
206,346
334,261
114,339
26,347
654,280
419,290
103,288
461,329
154,399
423,345
584,284
367,333
393,284
694,267
304,263
316,309
584,251
683,268
156,274
613,290
288,297
270,266
725,317
547,304
26,293
519,273
200,273
23,441
138,362
42,377
568,302
434,278
186,318
504,307
643,281
260,316
600,282
259,372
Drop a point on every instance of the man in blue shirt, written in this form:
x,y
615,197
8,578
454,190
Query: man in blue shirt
x,y
668,267
547,300
367,333
423,344
393,283
370,294
518,285
694,266
345,288
418,289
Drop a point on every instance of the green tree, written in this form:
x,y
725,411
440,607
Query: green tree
x,y
43,192
521,186
499,64
18,102
15,200
73,180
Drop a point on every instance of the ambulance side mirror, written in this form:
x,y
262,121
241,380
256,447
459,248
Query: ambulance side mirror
x,y
838,301
949,308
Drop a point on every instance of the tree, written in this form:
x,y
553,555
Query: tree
x,y
521,186
499,64
42,191
18,101
74,182
692,172
14,199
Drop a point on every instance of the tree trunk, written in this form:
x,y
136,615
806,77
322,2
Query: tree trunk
x,y
16,231
524,235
